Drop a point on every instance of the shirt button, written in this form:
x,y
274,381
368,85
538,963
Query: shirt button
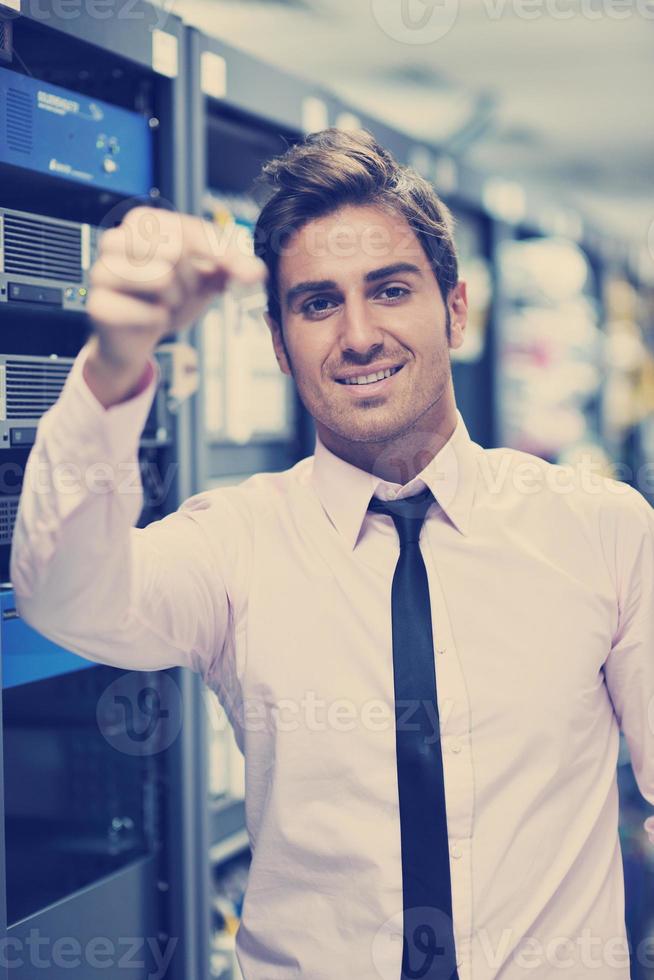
x,y
441,650
455,850
459,960
455,745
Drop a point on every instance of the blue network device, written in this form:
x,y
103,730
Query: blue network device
x,y
27,655
55,131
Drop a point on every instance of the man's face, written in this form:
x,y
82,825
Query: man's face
x,y
358,296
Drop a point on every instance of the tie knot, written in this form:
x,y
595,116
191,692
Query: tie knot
x,y
408,513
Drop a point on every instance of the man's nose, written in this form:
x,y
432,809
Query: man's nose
x,y
359,331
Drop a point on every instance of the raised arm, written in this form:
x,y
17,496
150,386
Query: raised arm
x,y
83,575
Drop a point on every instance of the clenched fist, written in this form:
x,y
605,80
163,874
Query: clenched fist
x,y
154,275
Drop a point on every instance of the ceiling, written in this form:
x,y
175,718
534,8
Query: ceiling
x,y
554,93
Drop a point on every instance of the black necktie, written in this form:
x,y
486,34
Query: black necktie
x,y
428,937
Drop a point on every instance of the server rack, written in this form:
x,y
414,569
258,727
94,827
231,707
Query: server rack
x,y
628,400
473,365
126,863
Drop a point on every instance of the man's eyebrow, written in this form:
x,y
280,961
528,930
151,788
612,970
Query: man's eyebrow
x,y
309,287
392,270
374,276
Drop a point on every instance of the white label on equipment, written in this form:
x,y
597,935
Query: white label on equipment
x,y
86,246
314,114
3,393
213,75
165,57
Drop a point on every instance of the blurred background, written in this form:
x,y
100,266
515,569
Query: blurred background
x,y
532,118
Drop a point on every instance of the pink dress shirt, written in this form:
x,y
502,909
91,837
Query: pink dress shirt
x,y
277,592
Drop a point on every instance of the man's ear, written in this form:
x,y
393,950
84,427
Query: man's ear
x,y
458,304
278,344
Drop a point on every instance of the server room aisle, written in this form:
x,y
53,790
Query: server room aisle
x,y
126,845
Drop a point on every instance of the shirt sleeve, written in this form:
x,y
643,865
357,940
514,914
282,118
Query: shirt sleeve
x,y
83,575
629,667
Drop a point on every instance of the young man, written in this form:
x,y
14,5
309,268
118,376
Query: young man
x,y
426,648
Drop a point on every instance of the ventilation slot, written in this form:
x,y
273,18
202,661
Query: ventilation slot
x,y
8,511
19,120
43,249
33,387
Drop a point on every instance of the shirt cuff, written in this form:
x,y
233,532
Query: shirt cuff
x,y
91,429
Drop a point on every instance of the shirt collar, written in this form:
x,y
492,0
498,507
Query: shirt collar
x,y
345,490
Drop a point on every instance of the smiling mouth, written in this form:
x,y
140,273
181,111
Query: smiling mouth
x,y
367,379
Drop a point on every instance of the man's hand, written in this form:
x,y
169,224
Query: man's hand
x,y
154,275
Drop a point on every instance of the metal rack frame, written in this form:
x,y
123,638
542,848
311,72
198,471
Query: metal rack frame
x,y
126,903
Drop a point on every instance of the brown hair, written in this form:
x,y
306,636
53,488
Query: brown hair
x,y
334,168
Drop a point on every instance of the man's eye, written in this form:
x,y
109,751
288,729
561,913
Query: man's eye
x,y
317,305
397,292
